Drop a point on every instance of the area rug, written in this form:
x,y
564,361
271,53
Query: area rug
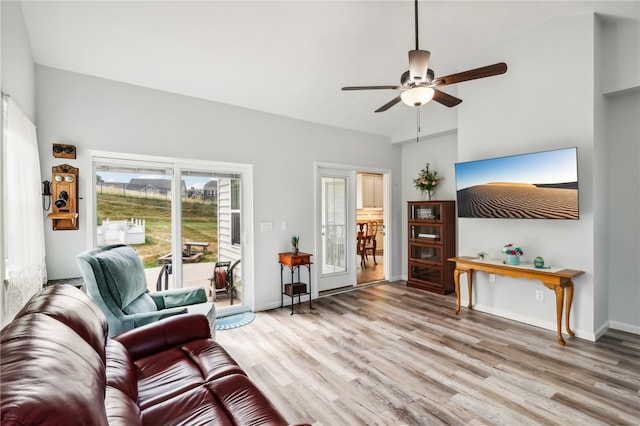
x,y
234,321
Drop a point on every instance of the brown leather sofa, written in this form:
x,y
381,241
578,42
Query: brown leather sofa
x,y
59,368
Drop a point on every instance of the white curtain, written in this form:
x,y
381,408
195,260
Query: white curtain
x,y
23,225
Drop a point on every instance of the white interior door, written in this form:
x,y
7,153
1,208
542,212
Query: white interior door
x,y
336,225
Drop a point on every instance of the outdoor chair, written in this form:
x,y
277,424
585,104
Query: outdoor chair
x,y
222,280
116,281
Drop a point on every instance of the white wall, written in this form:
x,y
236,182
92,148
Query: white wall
x,y
619,49
621,52
441,152
98,114
18,71
544,101
435,119
623,140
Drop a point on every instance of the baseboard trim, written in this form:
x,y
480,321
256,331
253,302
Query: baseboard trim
x,y
547,325
622,326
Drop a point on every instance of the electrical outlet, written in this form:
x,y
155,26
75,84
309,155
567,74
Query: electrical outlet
x,y
492,278
540,295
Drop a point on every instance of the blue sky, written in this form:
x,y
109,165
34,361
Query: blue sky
x,y
556,166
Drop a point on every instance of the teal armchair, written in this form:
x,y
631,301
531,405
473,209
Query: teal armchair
x,y
115,280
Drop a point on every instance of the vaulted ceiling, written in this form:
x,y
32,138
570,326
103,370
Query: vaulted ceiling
x,y
289,58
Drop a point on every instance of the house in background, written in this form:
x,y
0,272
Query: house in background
x,y
154,186
573,80
210,191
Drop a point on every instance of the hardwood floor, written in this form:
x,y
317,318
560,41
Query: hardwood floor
x,y
371,272
393,355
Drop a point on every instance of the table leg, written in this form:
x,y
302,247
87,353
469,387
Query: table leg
x,y
470,287
567,308
456,280
559,300
293,295
309,268
281,286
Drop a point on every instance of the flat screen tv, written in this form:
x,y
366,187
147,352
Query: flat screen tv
x,y
539,185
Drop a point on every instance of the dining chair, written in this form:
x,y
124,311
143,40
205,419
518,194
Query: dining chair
x,y
370,243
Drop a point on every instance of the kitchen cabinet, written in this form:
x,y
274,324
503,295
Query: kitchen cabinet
x,y
370,191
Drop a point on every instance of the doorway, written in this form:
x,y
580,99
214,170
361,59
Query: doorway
x,y
335,190
184,219
370,214
346,199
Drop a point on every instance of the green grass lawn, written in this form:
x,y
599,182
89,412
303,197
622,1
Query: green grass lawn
x,y
199,223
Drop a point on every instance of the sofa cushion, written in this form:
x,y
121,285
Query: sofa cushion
x,y
73,308
229,400
196,407
121,410
163,375
124,274
121,371
49,374
144,303
244,402
211,359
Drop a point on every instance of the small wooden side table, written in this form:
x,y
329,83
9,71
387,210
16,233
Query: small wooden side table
x,y
294,288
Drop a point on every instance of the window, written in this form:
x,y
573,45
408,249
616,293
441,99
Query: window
x,y
235,211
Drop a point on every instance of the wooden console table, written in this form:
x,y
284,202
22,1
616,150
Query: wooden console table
x,y
555,279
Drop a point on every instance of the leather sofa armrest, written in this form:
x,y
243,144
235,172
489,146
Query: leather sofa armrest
x,y
164,334
179,297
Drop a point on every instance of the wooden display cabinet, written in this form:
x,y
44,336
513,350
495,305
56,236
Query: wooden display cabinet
x,y
431,241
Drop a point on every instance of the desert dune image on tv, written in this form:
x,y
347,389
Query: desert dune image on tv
x,y
540,185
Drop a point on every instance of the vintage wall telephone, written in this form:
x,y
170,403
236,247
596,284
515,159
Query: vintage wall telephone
x,y
64,188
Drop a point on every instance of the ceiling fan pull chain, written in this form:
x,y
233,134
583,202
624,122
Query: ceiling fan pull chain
x,y
418,125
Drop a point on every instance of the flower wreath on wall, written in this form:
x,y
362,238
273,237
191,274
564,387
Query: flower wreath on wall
x,y
427,181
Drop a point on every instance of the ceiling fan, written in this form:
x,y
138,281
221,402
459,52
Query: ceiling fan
x,y
419,84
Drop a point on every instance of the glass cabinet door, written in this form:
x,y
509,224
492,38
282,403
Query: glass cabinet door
x,y
426,254
427,233
426,212
430,275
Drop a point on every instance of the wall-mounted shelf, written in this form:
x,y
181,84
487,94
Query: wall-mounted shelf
x,y
63,220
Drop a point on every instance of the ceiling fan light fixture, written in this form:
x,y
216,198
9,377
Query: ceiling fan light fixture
x,y
417,96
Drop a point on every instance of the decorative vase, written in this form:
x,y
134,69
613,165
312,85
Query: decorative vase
x,y
538,262
295,250
512,259
427,194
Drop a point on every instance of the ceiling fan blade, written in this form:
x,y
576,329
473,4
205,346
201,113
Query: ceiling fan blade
x,y
445,98
418,65
371,87
389,104
482,72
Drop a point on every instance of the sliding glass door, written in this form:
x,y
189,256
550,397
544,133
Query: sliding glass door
x,y
184,221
